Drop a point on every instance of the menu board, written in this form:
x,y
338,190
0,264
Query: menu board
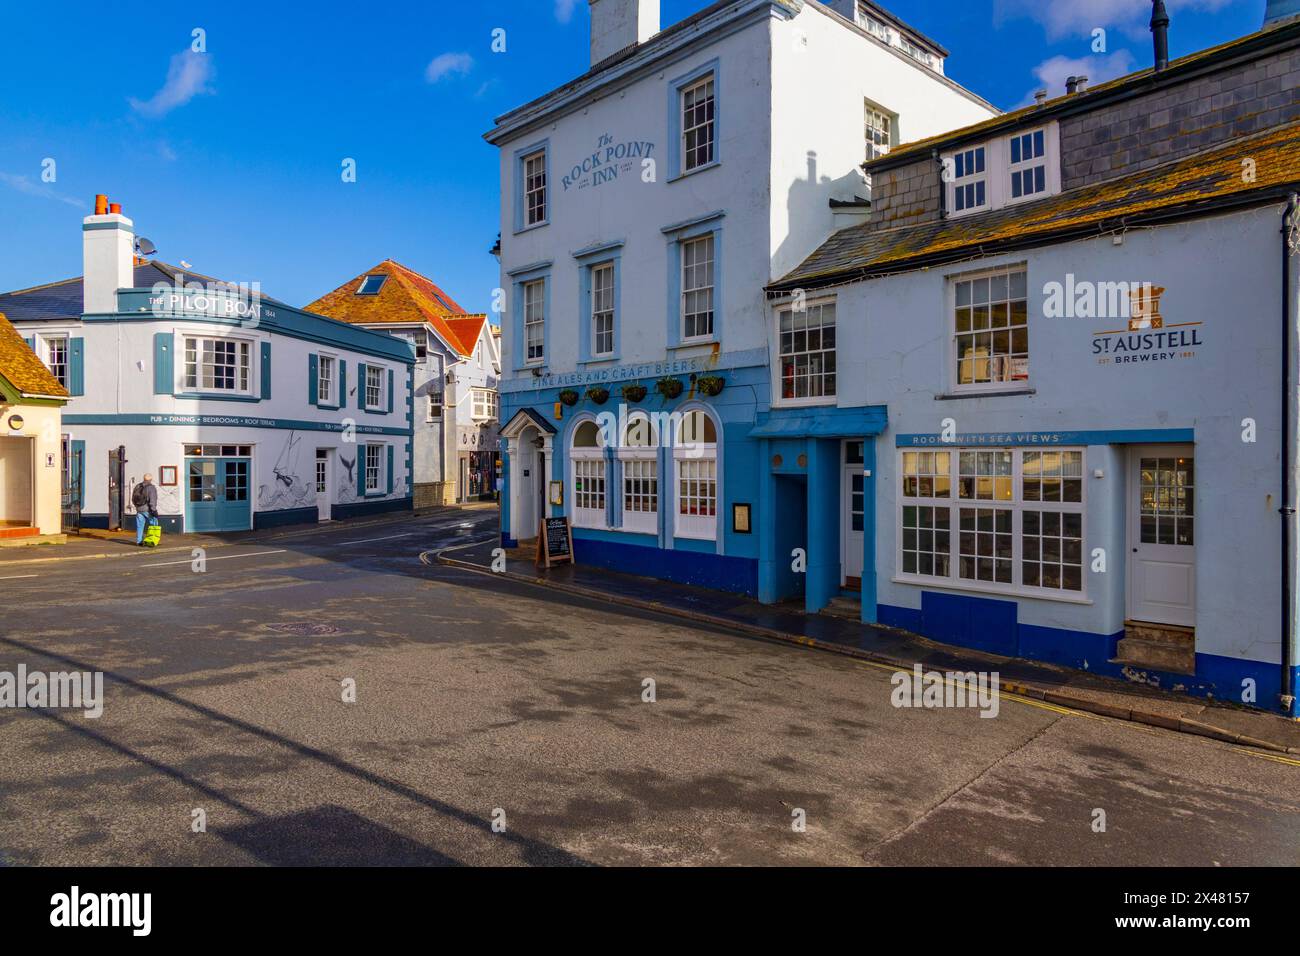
x,y
555,542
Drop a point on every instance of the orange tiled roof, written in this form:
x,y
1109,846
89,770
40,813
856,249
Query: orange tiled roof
x,y
1186,184
20,367
407,297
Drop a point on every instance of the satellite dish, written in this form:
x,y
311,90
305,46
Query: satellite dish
x,y
143,247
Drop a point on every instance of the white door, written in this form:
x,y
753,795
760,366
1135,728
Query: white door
x,y
851,515
324,484
1162,535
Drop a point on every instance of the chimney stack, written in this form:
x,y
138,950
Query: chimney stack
x,y
108,257
1080,83
1160,33
618,24
1071,85
1040,97
1279,11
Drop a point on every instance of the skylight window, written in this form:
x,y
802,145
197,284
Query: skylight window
x,y
371,285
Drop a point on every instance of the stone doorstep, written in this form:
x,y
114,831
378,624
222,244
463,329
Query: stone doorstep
x,y
843,607
1173,634
27,540
1159,655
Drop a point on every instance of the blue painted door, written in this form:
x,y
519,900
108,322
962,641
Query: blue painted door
x,y
216,494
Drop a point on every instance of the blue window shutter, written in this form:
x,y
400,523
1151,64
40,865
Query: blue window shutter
x,y
361,471
164,373
390,467
361,385
77,469
266,369
390,394
343,384
313,388
76,367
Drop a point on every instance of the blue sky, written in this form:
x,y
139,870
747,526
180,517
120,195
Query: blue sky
x,y
231,160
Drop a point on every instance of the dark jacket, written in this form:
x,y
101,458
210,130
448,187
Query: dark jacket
x,y
150,495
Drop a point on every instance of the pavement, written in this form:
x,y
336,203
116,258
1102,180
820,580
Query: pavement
x,y
500,722
900,649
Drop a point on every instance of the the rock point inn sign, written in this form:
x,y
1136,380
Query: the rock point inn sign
x,y
608,161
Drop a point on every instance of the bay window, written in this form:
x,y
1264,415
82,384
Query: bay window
x,y
695,460
993,518
639,455
587,476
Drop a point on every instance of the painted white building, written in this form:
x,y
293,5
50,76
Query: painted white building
x,y
646,204
457,369
247,412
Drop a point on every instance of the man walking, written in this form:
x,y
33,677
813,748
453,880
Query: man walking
x,y
145,500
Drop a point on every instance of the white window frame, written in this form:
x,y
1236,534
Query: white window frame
x,y
48,343
954,337
598,314
708,127
998,169
434,411
640,463
710,266
483,404
245,372
817,306
381,403
877,122
686,458
381,455
535,184
1016,504
877,28
965,176
539,285
588,464
329,394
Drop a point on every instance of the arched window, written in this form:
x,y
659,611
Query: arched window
x,y
587,476
639,453
695,461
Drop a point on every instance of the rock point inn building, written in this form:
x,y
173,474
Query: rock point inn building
x,y
249,413
646,205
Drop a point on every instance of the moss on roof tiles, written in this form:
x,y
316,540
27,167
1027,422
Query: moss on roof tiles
x,y
1214,174
20,367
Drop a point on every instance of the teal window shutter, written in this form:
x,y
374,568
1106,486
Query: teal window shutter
x,y
361,385
31,342
343,384
390,465
390,399
266,369
77,468
312,387
76,367
361,470
164,374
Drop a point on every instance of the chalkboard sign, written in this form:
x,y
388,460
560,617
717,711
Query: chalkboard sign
x,y
555,542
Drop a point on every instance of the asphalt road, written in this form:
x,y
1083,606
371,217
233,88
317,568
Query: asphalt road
x,y
480,700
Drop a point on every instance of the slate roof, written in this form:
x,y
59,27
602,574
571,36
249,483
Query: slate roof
x,y
63,299
1139,81
1204,181
407,297
20,367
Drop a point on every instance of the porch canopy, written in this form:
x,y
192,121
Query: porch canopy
x,y
864,422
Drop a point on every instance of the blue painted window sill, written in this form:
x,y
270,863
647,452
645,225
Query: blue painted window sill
x,y
698,169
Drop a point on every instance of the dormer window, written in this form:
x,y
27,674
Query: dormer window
x,y
917,53
371,285
873,26
1012,169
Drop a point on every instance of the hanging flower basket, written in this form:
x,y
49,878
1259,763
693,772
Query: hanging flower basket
x,y
598,394
710,384
669,387
634,393
569,397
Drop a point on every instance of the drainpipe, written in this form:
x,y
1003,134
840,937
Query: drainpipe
x,y
1290,442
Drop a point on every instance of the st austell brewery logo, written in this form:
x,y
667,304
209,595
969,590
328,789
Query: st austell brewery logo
x,y
1147,337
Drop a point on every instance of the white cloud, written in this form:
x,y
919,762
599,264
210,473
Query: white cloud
x,y
30,187
447,64
1099,68
188,75
564,10
1068,18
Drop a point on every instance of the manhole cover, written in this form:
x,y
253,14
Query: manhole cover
x,y
303,629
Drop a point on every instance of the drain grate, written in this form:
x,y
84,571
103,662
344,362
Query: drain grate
x,y
303,629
